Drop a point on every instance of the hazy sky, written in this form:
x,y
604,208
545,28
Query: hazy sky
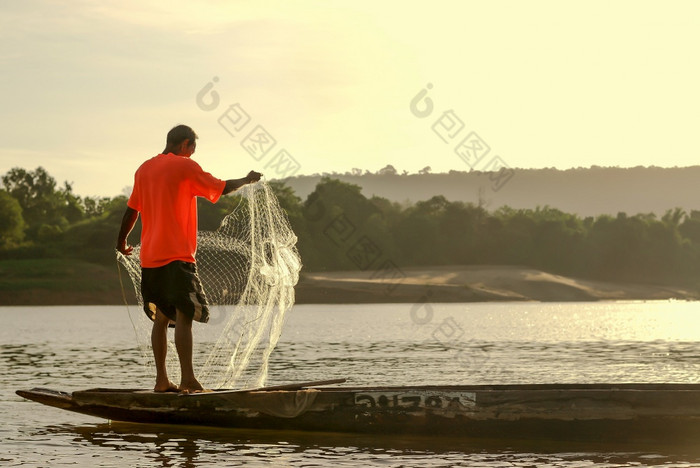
x,y
90,88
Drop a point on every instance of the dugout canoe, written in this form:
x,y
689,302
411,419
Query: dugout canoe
x,y
622,412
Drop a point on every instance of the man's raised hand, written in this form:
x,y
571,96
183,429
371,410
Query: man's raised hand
x,y
253,176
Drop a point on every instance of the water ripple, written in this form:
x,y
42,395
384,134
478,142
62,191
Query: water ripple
x,y
362,345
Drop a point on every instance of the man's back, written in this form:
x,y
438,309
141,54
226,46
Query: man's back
x,y
165,191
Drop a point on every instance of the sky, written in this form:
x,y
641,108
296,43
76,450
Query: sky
x,y
90,89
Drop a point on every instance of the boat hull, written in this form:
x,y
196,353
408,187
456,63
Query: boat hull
x,y
623,412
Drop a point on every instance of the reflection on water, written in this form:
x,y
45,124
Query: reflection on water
x,y
369,345
189,447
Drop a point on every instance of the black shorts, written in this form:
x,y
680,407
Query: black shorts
x,y
175,286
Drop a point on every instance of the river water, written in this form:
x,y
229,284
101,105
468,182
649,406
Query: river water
x,y
72,348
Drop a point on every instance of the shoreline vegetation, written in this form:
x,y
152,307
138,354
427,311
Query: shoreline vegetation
x,y
60,282
357,247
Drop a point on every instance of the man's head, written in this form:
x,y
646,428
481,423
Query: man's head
x,y
181,141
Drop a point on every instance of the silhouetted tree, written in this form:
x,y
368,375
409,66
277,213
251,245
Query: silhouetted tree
x,y
388,170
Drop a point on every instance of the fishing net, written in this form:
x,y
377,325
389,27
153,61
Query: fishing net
x,y
248,268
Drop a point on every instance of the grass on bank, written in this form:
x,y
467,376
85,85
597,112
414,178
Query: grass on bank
x,y
58,274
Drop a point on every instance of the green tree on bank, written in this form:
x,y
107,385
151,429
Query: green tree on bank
x,y
39,219
11,221
47,210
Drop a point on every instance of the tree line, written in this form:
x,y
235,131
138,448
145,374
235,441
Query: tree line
x,y
339,228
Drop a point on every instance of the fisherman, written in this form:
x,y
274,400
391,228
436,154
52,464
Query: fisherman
x,y
165,194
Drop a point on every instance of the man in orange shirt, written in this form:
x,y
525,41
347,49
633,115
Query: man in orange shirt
x,y
165,193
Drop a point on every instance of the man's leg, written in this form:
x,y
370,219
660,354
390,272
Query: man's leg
x,y
159,341
183,343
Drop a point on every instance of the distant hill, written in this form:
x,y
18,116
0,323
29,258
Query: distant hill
x,y
584,191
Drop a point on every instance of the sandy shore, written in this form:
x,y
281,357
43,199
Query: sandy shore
x,y
472,283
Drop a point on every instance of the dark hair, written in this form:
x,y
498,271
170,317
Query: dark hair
x,y
178,134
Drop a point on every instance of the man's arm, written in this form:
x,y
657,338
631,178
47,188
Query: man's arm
x,y
128,221
234,184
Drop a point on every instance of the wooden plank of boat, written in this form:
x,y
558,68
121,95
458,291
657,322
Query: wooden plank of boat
x,y
292,386
629,412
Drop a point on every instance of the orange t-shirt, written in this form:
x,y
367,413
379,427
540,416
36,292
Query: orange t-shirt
x,y
165,192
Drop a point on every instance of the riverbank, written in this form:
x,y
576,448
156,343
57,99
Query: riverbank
x,y
57,282
474,283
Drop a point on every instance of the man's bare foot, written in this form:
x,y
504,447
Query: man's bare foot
x,y
190,387
204,390
169,387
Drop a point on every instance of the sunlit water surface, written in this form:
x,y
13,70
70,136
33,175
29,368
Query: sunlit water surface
x,y
71,348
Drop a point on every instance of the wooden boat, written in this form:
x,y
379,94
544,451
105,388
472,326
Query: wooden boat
x,y
622,412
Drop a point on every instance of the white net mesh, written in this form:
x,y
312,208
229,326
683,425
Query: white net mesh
x,y
248,268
